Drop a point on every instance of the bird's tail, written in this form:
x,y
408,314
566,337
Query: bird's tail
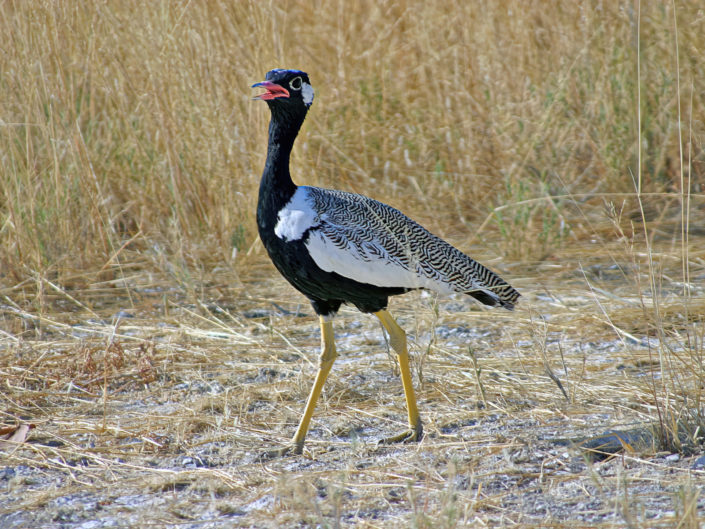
x,y
492,290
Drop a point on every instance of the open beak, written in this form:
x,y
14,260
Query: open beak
x,y
273,91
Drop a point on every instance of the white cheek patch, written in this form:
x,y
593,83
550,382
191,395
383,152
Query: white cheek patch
x,y
307,93
296,217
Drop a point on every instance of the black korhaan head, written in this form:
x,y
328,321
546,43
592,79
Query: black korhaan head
x,y
289,93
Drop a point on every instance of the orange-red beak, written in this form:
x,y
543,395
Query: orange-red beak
x,y
273,91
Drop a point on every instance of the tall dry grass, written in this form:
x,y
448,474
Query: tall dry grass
x,y
129,141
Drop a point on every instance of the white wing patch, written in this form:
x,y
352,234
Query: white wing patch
x,y
361,264
296,217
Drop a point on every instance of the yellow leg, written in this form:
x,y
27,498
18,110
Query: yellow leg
x,y
327,358
397,339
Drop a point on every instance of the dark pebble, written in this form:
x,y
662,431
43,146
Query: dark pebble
x,y
699,463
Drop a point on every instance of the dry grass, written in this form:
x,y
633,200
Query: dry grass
x,y
145,334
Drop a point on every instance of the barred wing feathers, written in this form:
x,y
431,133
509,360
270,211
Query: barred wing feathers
x,y
371,242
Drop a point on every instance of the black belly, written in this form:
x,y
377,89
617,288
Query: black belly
x,y
326,290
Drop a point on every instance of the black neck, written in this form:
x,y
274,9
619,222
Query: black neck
x,y
276,187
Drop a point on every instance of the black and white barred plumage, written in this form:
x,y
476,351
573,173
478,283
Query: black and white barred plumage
x,y
370,242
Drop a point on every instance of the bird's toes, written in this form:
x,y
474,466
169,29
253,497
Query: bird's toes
x,y
289,449
407,436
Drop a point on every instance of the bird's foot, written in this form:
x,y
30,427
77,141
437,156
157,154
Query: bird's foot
x,y
288,449
413,434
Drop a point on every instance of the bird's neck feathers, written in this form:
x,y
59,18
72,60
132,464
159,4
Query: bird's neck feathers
x,y
285,124
276,186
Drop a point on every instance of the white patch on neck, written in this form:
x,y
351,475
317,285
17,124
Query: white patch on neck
x,y
307,94
296,217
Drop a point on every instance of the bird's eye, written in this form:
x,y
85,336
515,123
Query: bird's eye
x,y
295,83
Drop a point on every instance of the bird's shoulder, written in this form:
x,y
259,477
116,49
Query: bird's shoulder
x,y
355,211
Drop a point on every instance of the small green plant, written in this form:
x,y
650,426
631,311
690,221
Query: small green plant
x,y
238,238
531,223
